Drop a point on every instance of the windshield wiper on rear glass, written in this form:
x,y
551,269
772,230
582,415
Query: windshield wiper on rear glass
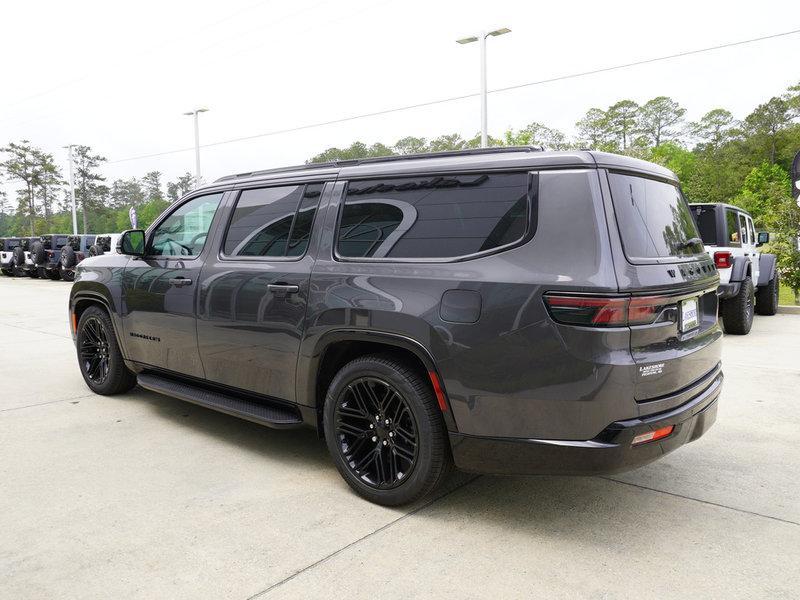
x,y
690,242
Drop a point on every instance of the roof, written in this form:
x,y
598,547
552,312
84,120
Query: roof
x,y
731,206
497,158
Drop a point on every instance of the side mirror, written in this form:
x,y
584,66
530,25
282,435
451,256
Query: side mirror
x,y
131,242
763,238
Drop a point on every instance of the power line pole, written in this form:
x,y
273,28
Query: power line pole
x,y
72,190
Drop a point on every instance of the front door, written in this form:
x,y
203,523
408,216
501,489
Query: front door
x,y
159,290
253,294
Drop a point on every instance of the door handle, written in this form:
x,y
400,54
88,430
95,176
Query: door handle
x,y
283,288
180,281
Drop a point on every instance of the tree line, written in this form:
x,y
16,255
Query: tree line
x,y
43,203
718,158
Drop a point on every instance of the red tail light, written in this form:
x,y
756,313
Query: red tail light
x,y
722,260
606,312
652,436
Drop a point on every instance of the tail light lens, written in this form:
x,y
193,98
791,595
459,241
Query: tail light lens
x,y
722,260
652,436
601,311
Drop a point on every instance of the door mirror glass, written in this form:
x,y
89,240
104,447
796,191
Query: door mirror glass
x,y
131,242
763,238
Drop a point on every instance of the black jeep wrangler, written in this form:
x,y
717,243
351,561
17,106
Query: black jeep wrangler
x,y
72,253
46,254
503,310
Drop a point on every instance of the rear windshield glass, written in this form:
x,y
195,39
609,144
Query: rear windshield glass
x,y
654,218
706,219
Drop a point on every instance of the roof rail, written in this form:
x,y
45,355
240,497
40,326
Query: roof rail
x,y
379,159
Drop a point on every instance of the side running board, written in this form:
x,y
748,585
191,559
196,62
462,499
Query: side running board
x,y
269,414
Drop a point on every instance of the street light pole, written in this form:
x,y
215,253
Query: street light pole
x,y
484,90
72,190
195,113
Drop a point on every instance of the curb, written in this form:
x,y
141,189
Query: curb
x,y
789,310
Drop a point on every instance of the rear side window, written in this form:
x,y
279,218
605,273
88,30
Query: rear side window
x,y
654,218
732,228
706,219
273,222
434,217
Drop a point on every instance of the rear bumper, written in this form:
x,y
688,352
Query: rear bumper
x,y
609,452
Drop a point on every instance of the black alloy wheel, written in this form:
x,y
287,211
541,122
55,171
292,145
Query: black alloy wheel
x,y
94,351
376,432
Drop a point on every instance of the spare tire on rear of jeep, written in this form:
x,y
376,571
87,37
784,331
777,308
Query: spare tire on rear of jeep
x,y
38,254
95,250
67,257
19,257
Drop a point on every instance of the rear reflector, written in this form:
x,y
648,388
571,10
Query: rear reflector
x,y
606,311
437,390
652,436
722,260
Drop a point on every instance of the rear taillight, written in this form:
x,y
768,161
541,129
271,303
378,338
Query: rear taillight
x,y
722,260
598,311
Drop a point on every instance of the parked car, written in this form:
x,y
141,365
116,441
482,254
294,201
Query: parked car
x,y
46,254
7,246
73,252
749,280
23,263
105,242
501,310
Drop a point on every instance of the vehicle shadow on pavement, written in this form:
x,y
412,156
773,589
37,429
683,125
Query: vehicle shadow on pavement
x,y
297,444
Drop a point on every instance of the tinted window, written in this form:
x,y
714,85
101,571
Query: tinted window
x,y
267,222
433,217
184,231
654,219
751,231
732,228
706,219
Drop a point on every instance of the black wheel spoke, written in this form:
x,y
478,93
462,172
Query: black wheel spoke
x,y
376,432
94,350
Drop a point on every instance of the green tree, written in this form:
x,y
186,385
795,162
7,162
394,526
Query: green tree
x,y
89,189
49,183
622,121
765,123
594,131
410,145
151,183
125,193
443,143
715,128
536,134
24,165
355,150
659,119
181,186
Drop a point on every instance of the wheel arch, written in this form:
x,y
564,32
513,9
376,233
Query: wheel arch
x,y
766,269
336,348
741,268
82,300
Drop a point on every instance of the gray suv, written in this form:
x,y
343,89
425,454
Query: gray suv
x,y
501,311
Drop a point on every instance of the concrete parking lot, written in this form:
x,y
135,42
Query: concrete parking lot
x,y
143,496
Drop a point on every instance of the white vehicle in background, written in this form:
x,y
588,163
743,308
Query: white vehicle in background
x,y
104,243
748,278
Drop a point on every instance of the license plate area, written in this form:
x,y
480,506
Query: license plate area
x,y
690,317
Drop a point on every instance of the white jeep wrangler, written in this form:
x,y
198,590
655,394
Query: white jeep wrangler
x,y
748,278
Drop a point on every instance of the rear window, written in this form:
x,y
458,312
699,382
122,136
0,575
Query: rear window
x,y
706,219
653,217
435,216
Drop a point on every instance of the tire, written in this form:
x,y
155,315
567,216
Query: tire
x,y
38,255
67,257
33,272
767,297
737,312
95,250
8,272
19,258
99,356
387,475
67,275
54,274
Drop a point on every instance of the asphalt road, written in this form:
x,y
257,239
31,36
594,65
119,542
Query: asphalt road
x,y
143,496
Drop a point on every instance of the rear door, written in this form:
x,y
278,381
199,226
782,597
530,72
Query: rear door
x,y
159,290
661,262
254,290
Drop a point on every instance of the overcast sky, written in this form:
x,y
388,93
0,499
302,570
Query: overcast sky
x,y
117,75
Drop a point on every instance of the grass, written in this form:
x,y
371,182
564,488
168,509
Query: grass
x,y
786,296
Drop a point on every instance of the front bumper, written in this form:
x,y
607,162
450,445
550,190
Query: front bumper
x,y
609,452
